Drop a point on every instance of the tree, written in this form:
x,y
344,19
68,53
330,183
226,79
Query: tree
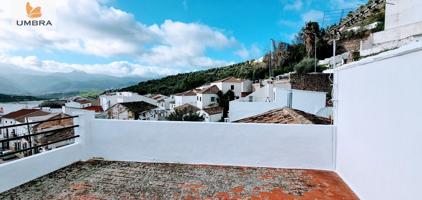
x,y
309,34
52,104
307,65
185,115
224,101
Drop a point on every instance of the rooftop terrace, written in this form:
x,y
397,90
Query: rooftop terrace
x,y
134,180
375,152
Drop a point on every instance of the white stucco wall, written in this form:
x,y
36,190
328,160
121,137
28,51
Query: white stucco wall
x,y
205,100
403,25
258,145
18,172
214,118
239,110
226,86
246,86
73,104
308,101
264,145
107,101
180,100
379,125
402,12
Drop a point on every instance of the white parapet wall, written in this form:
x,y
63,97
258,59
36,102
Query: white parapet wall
x,y
379,151
239,110
259,145
15,173
255,145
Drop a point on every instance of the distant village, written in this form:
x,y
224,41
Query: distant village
x,y
286,99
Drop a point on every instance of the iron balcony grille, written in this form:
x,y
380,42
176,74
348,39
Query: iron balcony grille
x,y
33,148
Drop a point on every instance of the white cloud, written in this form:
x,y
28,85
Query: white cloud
x,y
185,44
118,68
289,23
94,28
344,4
296,5
313,15
249,53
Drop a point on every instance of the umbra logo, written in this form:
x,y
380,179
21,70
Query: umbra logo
x,y
33,14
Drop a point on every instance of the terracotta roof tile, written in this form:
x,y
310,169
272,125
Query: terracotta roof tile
x,y
286,116
187,107
187,93
214,110
94,108
20,113
82,101
230,79
209,90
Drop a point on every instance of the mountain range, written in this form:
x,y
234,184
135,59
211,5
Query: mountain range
x,y
20,82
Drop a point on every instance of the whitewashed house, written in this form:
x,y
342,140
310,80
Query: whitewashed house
x,y
163,101
213,114
52,125
109,100
185,97
78,103
403,25
139,110
236,85
15,118
270,97
207,97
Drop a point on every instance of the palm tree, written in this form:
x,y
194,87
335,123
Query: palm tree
x,y
310,33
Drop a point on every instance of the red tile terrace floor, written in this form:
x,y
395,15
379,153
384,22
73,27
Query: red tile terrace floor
x,y
128,180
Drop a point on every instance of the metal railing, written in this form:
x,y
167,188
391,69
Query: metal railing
x,y
34,146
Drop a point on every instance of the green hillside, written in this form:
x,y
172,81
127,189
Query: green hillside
x,y
286,57
14,98
182,82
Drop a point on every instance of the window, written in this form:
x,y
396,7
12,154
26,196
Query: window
x,y
200,99
17,146
212,99
232,87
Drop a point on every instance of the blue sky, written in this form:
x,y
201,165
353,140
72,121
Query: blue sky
x,y
159,37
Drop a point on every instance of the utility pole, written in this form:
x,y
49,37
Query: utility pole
x,y
334,53
315,54
270,67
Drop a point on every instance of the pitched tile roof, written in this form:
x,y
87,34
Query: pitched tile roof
x,y
187,93
214,110
83,101
158,97
34,114
286,116
187,107
209,90
22,113
94,108
230,79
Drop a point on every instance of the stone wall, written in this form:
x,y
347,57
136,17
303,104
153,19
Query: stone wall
x,y
312,82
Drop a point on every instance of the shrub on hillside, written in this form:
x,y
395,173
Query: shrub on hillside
x,y
307,65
